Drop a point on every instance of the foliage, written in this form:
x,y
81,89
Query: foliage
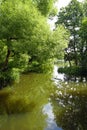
x,y
74,71
24,39
83,44
60,40
71,17
13,23
85,7
44,6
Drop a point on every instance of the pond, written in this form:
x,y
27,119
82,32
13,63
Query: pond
x,y
53,104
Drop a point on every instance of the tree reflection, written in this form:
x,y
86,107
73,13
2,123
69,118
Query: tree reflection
x,y
35,88
70,110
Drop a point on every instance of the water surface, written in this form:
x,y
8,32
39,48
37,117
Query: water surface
x,y
54,105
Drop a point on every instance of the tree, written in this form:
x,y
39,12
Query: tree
x,y
25,40
44,6
71,17
60,39
83,47
85,7
13,24
18,39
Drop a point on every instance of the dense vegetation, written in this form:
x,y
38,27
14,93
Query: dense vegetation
x,y
26,40
74,18
28,44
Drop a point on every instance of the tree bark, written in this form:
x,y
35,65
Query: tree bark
x,y
5,65
6,60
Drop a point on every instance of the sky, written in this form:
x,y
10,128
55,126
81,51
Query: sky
x,y
59,4
62,3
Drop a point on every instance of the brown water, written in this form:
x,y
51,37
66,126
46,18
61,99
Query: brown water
x,y
54,105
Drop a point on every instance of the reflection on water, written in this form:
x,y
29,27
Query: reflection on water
x,y
36,88
56,76
31,86
29,121
70,106
62,106
69,102
50,120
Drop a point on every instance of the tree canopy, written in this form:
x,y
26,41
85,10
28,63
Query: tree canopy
x,y
26,40
73,18
44,6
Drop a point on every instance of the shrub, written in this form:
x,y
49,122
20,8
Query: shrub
x,y
8,77
74,71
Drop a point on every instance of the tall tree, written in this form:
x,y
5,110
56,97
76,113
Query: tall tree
x,y
71,17
26,41
85,7
20,34
60,39
83,45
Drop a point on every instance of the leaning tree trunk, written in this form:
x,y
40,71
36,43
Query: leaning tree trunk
x,y
5,65
6,60
3,81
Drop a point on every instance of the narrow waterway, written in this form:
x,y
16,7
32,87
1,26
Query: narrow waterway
x,y
51,104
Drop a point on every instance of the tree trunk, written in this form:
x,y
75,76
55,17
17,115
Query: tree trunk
x,y
75,52
6,60
70,63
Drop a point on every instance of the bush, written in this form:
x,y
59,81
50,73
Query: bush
x,y
74,71
44,67
8,77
